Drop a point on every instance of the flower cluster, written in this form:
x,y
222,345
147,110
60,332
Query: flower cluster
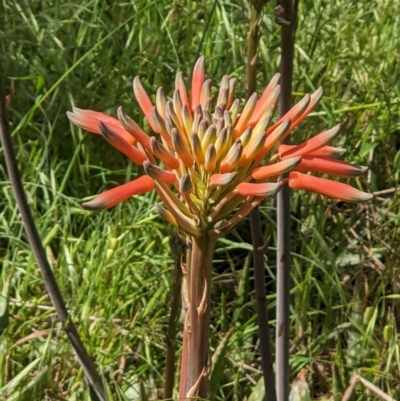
x,y
212,166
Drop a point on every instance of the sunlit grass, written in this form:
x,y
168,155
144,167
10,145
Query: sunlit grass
x,y
114,268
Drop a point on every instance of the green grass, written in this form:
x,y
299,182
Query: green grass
x,y
115,268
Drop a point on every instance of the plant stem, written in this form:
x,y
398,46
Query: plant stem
x,y
197,299
283,215
256,230
50,282
177,251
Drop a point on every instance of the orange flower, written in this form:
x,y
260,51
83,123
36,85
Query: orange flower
x,y
213,161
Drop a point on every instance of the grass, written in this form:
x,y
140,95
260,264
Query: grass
x,y
115,268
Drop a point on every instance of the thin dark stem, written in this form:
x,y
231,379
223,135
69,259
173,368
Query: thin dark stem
x,y
256,230
283,214
40,255
177,250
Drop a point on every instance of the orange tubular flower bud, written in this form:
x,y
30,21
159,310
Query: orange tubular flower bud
x,y
197,150
311,145
89,121
197,83
231,160
294,113
333,189
328,151
218,180
161,126
273,170
181,148
116,195
158,173
252,149
165,214
314,99
180,86
136,155
244,118
327,166
264,190
232,84
267,91
210,159
163,154
134,129
269,103
325,151
172,115
144,102
279,134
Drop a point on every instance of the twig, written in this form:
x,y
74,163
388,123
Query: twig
x,y
286,19
40,255
355,379
255,224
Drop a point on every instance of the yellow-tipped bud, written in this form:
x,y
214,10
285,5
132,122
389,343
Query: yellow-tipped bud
x,y
209,137
181,148
197,150
162,129
227,118
196,122
205,92
231,160
210,158
185,184
161,102
207,105
207,116
234,110
219,125
165,214
202,129
177,103
245,116
163,154
253,148
219,113
246,136
171,113
187,119
262,124
220,143
223,92
180,86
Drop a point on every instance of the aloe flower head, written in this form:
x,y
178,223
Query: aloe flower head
x,y
212,161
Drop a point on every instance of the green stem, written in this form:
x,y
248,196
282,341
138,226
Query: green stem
x,y
195,352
